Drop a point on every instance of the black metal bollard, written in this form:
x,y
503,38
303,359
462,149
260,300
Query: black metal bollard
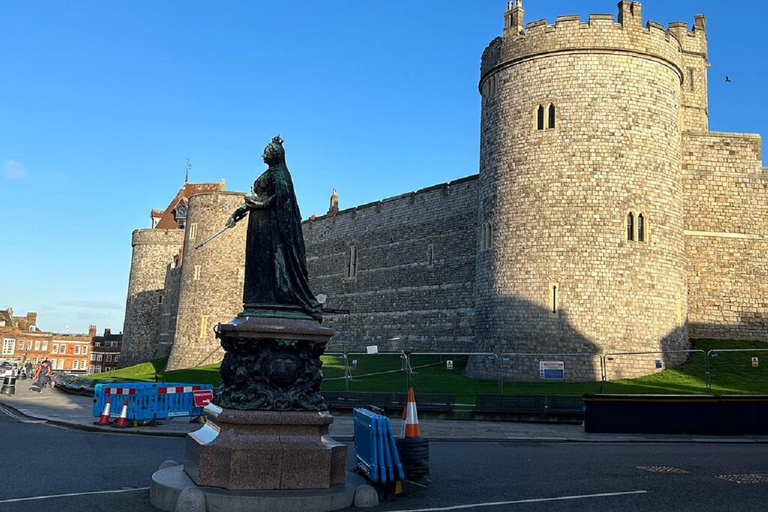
x,y
9,385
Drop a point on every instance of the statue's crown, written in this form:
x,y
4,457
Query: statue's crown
x,y
277,140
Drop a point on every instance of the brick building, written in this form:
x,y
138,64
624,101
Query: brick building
x,y
23,341
105,352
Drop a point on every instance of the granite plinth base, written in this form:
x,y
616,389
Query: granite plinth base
x,y
167,485
265,450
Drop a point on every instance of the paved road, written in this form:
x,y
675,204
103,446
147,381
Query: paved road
x,y
40,460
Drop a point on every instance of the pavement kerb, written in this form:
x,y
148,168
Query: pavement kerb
x,y
91,428
444,431
623,439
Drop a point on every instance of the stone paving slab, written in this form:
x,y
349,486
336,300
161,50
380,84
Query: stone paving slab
x,y
59,407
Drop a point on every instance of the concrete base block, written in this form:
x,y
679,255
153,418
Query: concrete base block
x,y
265,450
168,484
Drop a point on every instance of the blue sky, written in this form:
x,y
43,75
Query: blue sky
x,y
101,102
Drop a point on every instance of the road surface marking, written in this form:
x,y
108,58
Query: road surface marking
x,y
15,500
517,502
663,469
19,418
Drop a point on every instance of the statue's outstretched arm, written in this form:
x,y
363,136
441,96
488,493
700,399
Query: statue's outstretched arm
x,y
239,213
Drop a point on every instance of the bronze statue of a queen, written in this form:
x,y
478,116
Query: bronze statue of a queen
x,y
276,282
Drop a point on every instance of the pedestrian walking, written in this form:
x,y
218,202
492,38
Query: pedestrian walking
x,y
42,376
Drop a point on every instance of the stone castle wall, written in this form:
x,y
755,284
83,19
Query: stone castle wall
x,y
726,223
171,292
415,269
211,279
531,256
153,251
561,275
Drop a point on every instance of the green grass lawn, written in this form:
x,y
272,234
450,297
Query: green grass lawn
x,y
731,373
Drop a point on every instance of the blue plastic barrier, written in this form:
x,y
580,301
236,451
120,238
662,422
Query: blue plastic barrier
x,y
148,400
375,449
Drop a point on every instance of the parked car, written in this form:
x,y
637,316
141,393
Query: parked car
x,y
8,368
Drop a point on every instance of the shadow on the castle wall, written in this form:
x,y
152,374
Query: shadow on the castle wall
x,y
142,330
536,344
751,327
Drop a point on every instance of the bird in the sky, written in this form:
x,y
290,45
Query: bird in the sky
x,y
727,79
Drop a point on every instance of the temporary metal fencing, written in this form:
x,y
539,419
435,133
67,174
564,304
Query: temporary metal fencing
x,y
375,450
737,370
697,371
150,400
622,366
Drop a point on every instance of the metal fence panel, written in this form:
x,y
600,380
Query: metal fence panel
x,y
659,372
738,371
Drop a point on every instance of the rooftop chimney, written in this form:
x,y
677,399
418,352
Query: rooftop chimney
x,y
92,331
32,318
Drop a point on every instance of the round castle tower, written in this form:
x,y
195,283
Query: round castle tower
x,y
580,199
211,279
153,252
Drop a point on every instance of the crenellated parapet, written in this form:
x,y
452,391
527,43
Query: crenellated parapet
x,y
692,40
601,33
173,237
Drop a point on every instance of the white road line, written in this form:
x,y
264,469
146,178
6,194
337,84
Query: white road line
x,y
32,498
517,502
19,418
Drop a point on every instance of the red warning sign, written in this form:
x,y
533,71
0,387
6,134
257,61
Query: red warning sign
x,y
203,397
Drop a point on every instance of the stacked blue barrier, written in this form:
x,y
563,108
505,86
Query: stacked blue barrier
x,y
149,400
375,450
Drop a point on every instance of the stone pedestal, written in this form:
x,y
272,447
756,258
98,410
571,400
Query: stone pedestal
x,y
272,364
259,450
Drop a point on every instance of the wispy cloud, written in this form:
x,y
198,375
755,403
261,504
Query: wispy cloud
x,y
13,170
91,304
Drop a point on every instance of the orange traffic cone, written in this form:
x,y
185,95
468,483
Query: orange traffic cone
x,y
412,418
122,421
104,418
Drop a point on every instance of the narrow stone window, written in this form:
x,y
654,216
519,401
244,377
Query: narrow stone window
x,y
203,326
352,262
160,299
198,270
551,120
486,241
430,255
540,118
553,298
640,228
691,79
630,226
193,231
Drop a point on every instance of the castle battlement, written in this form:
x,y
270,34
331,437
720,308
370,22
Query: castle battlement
x,y
429,194
693,40
600,33
157,237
